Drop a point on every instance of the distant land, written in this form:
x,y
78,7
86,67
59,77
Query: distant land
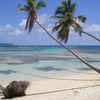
x,y
6,44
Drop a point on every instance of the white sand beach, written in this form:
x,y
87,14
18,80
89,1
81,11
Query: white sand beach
x,y
71,87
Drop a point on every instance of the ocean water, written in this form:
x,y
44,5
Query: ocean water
x,y
40,62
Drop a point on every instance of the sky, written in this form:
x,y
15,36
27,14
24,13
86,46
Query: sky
x,y
12,23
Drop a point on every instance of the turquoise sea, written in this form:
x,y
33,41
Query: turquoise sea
x,y
39,62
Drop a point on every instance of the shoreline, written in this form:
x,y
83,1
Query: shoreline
x,y
71,87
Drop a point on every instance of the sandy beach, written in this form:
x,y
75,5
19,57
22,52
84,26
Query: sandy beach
x,y
72,87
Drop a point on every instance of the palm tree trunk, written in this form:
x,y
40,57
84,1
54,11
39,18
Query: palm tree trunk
x,y
88,34
81,59
91,36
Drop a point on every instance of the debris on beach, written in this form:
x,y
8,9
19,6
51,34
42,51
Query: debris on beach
x,y
15,89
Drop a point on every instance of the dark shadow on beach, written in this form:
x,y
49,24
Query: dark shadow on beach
x,y
48,68
7,72
84,69
74,70
63,90
90,60
82,72
56,91
55,78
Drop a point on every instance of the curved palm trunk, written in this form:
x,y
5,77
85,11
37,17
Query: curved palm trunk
x,y
81,59
91,36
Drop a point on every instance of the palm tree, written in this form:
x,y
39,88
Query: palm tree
x,y
31,8
66,20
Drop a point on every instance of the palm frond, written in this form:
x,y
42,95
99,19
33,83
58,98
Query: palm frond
x,y
57,17
57,27
63,31
62,20
23,10
73,8
77,27
64,4
63,34
31,3
82,19
20,5
40,4
24,6
60,11
69,2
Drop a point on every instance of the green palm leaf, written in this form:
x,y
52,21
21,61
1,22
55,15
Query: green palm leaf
x,y
82,19
57,27
60,11
31,3
77,28
63,33
73,8
23,10
40,5
57,17
24,6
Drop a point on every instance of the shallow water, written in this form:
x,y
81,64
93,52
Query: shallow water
x,y
32,62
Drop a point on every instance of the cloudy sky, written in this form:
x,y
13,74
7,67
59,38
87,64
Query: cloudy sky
x,y
12,23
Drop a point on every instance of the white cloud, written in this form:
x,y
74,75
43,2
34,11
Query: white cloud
x,y
23,22
5,27
42,19
16,32
93,28
99,19
8,26
10,30
40,30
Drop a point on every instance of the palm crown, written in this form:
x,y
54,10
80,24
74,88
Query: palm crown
x,y
66,19
31,7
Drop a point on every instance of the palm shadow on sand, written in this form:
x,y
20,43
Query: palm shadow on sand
x,y
56,91
63,90
7,72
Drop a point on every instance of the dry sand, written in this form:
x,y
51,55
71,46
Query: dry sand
x,y
71,87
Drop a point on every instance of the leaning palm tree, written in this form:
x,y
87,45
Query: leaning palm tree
x,y
31,8
66,20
